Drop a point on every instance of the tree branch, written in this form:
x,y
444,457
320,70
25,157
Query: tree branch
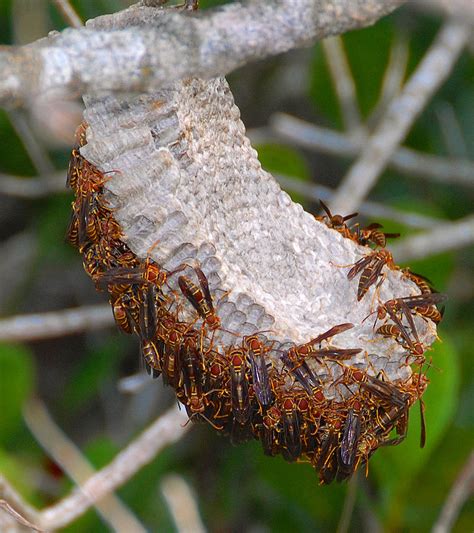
x,y
166,430
173,45
75,465
462,488
405,160
55,324
432,71
446,237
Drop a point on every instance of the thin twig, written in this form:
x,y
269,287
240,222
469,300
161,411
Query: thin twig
x,y
166,430
369,209
433,70
68,12
443,238
405,160
182,504
393,77
15,501
462,488
93,59
55,324
349,503
463,9
39,157
343,83
75,465
32,188
19,518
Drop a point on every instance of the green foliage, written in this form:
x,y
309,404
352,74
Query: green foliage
x,y
397,468
97,367
16,385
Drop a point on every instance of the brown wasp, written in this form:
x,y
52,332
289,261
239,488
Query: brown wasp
x,y
239,389
291,428
325,458
200,298
337,222
147,272
191,361
370,267
152,353
422,304
171,332
260,378
351,432
423,283
296,356
270,430
372,234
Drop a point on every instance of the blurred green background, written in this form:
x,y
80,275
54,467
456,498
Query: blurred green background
x,y
238,488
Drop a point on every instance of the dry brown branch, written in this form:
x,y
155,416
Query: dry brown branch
x,y
75,465
55,323
461,490
17,517
166,430
405,160
432,71
14,502
213,43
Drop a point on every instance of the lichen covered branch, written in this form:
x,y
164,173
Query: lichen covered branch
x,y
109,55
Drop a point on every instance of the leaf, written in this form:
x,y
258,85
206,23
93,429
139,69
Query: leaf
x,y
396,468
16,384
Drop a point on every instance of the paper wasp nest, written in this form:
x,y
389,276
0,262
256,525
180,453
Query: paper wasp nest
x,y
226,281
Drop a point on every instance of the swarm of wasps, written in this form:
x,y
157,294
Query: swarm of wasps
x,y
250,390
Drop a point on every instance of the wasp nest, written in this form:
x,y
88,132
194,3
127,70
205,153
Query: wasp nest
x,y
253,310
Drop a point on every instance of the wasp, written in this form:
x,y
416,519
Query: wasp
x,y
271,430
325,458
291,428
370,268
422,304
398,330
190,358
351,431
122,306
239,389
337,222
152,353
400,335
76,161
260,378
387,392
298,354
423,283
147,272
171,332
200,298
372,234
